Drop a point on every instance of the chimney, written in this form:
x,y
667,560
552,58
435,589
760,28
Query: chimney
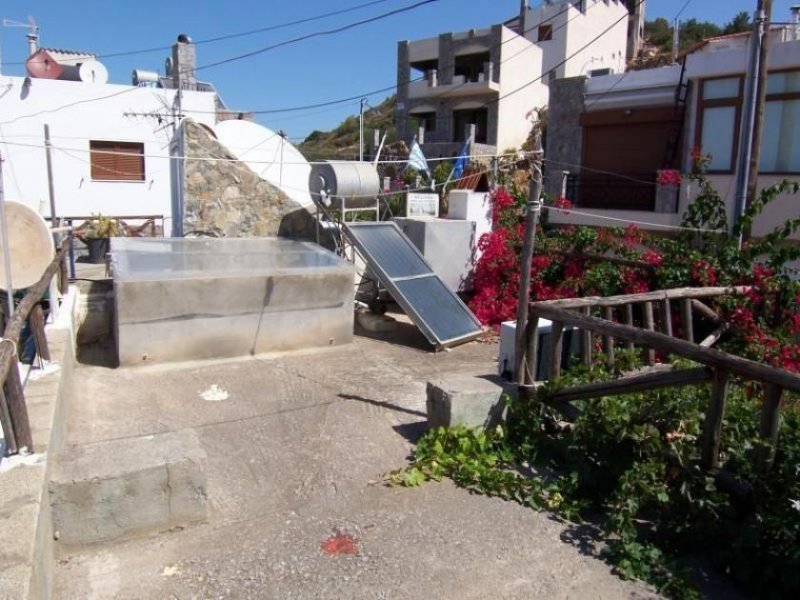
x,y
523,13
795,10
184,63
33,43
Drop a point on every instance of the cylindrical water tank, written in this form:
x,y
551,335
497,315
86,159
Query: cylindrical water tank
x,y
142,77
357,183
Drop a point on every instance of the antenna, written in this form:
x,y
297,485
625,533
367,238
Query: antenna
x,y
33,32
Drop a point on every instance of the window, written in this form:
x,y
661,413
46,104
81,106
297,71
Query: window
x,y
717,132
545,33
780,138
426,120
117,161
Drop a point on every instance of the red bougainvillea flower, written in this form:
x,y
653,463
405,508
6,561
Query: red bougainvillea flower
x,y
340,543
669,177
562,204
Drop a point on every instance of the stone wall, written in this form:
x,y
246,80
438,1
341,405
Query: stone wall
x,y
564,132
227,199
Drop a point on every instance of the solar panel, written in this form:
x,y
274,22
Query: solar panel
x,y
441,315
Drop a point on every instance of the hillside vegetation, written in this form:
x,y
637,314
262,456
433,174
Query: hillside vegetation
x,y
342,142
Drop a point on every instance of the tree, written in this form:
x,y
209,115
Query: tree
x,y
740,23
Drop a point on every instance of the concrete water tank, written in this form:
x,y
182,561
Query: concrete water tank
x,y
356,182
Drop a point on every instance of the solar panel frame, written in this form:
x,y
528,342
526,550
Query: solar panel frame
x,y
428,329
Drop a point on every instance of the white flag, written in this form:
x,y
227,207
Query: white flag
x,y
417,159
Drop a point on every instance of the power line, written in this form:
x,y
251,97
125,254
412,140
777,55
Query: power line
x,y
318,34
236,35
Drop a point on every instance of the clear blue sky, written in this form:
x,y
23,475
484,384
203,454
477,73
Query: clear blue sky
x,y
317,70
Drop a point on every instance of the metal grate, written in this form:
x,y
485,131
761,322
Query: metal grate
x,y
441,315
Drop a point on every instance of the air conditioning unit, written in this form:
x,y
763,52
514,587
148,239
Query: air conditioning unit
x,y
601,72
506,358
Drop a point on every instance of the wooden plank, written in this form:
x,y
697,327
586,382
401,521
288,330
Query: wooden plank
x,y
737,365
17,409
712,427
557,337
705,311
657,296
629,322
649,323
586,341
666,317
686,317
608,340
632,384
769,427
36,321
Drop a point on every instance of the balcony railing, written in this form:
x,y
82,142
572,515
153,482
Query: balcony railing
x,y
634,191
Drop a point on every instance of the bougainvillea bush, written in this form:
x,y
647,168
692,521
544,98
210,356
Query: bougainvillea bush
x,y
572,262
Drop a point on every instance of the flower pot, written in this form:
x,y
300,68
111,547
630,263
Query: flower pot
x,y
98,248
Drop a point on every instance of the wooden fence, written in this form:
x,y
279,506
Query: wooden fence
x,y
13,409
617,324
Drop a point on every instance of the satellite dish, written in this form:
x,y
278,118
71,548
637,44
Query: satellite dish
x,y
93,71
30,246
269,155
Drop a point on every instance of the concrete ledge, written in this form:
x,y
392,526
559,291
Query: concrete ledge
x,y
26,532
108,490
464,400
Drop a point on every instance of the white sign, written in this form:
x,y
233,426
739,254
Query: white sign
x,y
422,205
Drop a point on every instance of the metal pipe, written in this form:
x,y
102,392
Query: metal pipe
x,y
748,122
361,130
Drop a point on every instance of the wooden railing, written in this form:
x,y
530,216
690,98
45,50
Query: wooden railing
x,y
718,367
13,409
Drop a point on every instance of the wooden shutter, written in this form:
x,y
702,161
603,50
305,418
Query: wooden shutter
x,y
117,161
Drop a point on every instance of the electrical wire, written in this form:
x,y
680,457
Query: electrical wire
x,y
230,36
315,34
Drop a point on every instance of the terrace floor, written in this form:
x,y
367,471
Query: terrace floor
x,y
295,455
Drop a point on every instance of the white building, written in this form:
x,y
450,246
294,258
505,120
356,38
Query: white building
x,y
110,142
490,79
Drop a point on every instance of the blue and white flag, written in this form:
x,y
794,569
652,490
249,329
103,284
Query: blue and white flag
x,y
461,161
417,159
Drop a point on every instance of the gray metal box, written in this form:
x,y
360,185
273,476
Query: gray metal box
x,y
447,245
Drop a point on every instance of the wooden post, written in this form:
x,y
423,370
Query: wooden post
x,y
712,428
650,356
608,340
770,425
63,277
8,426
36,321
17,409
686,317
629,322
528,365
557,337
666,317
586,340
523,300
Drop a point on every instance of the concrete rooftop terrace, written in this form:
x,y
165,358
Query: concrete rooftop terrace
x,y
295,454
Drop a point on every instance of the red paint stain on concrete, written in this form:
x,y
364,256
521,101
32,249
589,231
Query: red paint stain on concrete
x,y
340,543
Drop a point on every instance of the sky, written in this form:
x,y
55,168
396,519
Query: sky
x,y
317,70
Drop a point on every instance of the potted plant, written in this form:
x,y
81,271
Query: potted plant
x,y
96,236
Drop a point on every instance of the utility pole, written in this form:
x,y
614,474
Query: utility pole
x,y
48,151
765,11
6,249
362,102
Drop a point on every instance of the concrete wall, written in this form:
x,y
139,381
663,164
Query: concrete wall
x,y
78,112
521,60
